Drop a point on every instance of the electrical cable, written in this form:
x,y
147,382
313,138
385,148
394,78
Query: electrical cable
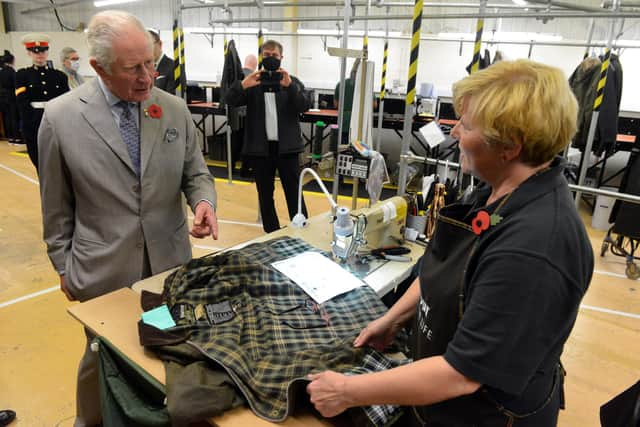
x,y
62,26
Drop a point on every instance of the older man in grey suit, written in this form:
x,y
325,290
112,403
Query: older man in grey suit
x,y
115,156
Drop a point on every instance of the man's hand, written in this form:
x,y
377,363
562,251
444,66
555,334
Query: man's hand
x,y
252,80
205,222
327,393
286,78
63,288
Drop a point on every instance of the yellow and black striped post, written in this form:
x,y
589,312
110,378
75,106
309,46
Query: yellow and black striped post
x,y
382,93
413,57
475,63
603,81
177,69
260,42
383,82
411,93
183,62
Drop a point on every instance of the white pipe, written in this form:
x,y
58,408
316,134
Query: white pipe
x,y
299,220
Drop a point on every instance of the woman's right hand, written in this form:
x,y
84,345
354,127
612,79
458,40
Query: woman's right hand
x,y
378,334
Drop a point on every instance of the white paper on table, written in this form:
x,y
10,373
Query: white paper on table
x,y
321,278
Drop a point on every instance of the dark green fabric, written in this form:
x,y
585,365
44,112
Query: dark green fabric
x,y
349,87
197,389
197,392
273,335
129,396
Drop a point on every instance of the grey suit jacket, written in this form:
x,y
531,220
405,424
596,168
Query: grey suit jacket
x,y
98,216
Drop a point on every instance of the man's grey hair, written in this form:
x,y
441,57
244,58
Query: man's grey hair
x,y
65,53
104,28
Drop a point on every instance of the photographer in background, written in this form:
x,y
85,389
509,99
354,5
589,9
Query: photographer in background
x,y
272,135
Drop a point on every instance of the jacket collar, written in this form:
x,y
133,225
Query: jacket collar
x,y
536,186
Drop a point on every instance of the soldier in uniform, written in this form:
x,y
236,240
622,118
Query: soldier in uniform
x,y
35,86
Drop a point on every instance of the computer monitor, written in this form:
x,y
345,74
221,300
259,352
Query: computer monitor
x,y
447,111
196,93
393,107
325,101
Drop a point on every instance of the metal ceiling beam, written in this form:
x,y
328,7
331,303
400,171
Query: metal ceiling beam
x,y
267,3
624,4
519,15
565,5
441,39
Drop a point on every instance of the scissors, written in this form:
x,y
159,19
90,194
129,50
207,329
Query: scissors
x,y
392,253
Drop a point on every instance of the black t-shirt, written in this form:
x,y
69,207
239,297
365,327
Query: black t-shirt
x,y
524,285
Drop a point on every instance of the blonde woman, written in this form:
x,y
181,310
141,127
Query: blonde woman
x,y
502,280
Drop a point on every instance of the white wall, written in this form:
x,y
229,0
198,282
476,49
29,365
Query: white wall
x,y
439,62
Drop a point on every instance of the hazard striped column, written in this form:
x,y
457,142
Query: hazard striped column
x,y
384,70
411,94
603,80
176,59
382,93
260,42
475,64
183,71
597,103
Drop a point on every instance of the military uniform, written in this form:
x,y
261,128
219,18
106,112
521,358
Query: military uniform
x,y
35,86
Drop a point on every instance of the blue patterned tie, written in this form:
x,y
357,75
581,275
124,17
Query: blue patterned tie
x,y
130,134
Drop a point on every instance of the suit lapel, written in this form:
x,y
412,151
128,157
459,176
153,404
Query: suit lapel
x,y
150,128
99,117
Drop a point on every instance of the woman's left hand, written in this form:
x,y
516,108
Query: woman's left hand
x,y
327,392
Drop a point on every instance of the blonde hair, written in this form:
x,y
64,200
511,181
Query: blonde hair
x,y
521,102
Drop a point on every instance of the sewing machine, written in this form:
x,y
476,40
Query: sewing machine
x,y
382,224
369,228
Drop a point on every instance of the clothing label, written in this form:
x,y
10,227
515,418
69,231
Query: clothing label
x,y
220,313
423,319
179,311
159,317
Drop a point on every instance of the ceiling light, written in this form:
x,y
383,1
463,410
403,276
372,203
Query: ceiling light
x,y
103,3
520,2
338,33
220,30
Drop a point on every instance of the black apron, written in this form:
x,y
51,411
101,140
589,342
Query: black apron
x,y
440,308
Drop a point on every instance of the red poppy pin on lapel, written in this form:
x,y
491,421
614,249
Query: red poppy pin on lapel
x,y
483,221
154,111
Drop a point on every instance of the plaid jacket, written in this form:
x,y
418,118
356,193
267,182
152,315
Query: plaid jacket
x,y
266,332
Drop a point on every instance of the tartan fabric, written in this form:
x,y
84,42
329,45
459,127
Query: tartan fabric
x,y
266,332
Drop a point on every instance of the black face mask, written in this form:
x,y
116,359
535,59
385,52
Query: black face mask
x,y
270,63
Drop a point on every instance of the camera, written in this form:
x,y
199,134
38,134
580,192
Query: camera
x,y
270,80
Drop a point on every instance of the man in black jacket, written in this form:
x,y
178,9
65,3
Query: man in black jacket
x,y
164,66
272,136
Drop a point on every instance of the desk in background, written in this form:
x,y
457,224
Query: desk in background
x,y
205,110
329,116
